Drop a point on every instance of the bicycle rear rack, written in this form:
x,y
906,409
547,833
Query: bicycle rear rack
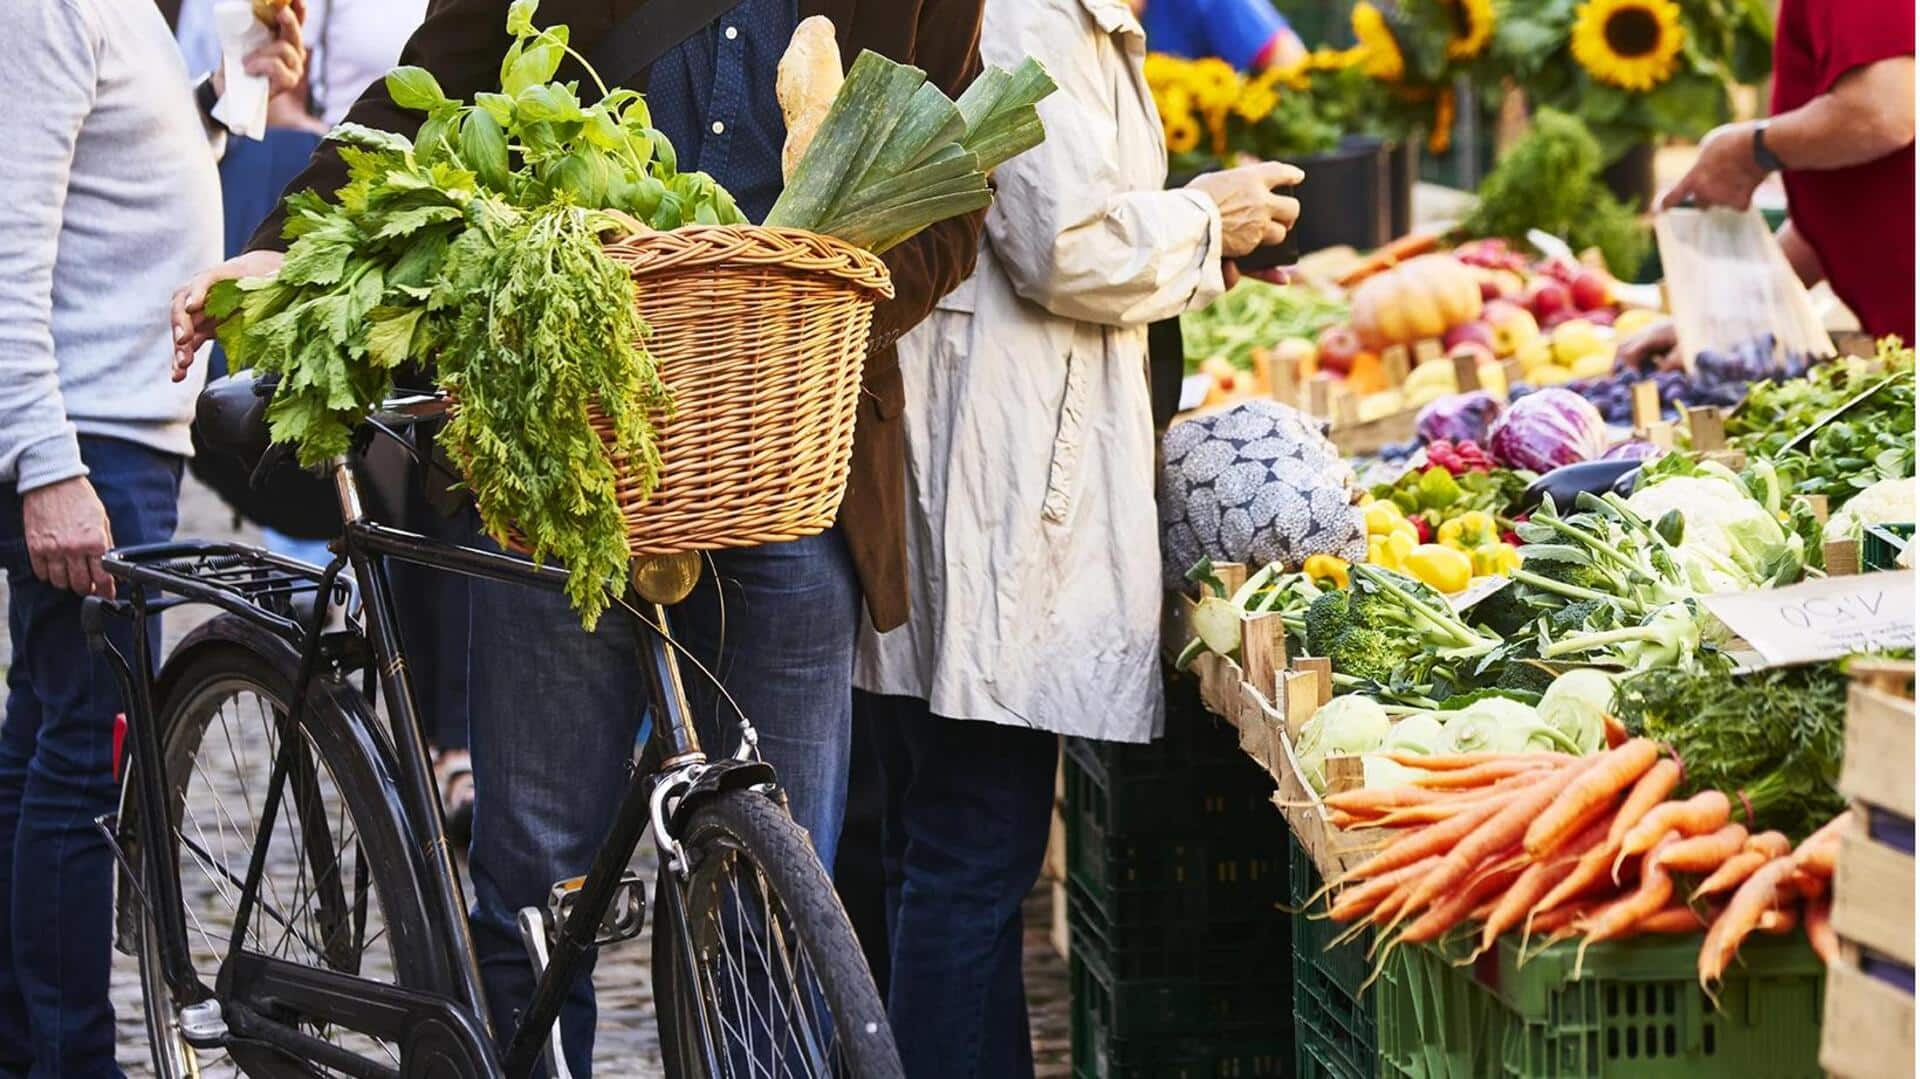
x,y
242,580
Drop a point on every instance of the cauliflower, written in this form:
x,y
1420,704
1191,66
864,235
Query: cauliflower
x,y
1731,541
1886,502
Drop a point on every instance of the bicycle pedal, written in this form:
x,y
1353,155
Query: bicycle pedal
x,y
626,913
536,928
203,1025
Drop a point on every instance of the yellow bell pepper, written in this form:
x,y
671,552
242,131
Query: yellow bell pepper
x,y
1382,516
1440,567
1326,567
1388,551
1495,559
1469,531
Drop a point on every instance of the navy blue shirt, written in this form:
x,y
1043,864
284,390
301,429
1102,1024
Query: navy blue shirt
x,y
713,98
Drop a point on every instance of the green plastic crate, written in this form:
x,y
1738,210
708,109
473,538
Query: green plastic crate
x,y
1881,546
1634,1012
1335,1034
1133,1009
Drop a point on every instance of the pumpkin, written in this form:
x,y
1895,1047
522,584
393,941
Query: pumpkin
x,y
1419,299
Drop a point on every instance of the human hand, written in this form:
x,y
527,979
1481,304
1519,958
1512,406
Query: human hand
x,y
1725,174
67,532
192,325
283,60
1285,50
1251,215
1656,345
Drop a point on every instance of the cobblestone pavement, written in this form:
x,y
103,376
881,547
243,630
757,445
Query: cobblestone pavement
x,y
626,1044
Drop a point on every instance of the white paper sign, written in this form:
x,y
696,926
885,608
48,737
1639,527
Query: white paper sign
x,y
1824,619
1480,589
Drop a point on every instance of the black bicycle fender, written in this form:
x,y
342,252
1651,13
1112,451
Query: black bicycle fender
x,y
721,777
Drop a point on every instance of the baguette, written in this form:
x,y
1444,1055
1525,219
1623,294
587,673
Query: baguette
x,y
806,83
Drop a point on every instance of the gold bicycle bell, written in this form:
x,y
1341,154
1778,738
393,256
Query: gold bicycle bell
x,y
666,579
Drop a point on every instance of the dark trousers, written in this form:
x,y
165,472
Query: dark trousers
x,y
56,776
967,808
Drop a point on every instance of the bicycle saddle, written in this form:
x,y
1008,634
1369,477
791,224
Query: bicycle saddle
x,y
231,415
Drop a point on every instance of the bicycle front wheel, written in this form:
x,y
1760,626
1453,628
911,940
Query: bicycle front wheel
x,y
756,968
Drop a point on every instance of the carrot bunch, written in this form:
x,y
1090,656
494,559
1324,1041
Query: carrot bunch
x,y
1594,848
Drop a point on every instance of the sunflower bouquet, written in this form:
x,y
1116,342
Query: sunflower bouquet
x,y
1634,70
1413,50
1213,115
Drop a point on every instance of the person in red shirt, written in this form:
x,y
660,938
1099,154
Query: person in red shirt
x,y
1842,134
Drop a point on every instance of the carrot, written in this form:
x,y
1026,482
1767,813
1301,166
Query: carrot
x,y
1534,883
1616,731
1650,791
1454,762
1820,934
1731,874
1455,803
1590,792
1706,853
1676,921
1559,917
1480,775
1449,912
1703,813
1778,923
1390,255
1500,831
1804,885
1433,840
1359,899
1771,844
1372,802
1817,853
1656,888
1741,918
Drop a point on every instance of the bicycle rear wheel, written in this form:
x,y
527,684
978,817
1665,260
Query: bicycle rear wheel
x,y
756,969
335,894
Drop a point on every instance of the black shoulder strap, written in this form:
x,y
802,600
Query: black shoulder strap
x,y
650,33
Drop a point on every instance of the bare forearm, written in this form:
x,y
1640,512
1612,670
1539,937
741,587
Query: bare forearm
x,y
1801,255
1867,115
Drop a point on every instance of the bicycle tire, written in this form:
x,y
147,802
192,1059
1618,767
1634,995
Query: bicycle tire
x,y
230,654
749,824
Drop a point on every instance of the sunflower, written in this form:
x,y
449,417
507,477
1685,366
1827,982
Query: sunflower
x,y
1380,57
1472,28
1632,44
1183,133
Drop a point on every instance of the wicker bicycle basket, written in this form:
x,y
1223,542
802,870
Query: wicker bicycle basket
x,y
761,335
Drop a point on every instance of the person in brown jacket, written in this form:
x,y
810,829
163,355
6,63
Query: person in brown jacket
x,y
555,710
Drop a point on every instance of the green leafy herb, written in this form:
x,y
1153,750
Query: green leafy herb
x,y
1551,180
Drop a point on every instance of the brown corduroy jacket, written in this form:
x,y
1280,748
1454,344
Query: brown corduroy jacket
x,y
462,43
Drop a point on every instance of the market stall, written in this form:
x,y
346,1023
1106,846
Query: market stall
x,y
1569,732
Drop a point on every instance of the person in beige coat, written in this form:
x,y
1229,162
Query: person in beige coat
x,y
1032,544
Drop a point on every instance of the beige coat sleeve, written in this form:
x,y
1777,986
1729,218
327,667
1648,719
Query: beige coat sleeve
x,y
1073,234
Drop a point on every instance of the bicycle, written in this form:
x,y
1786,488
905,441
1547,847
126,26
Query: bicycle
x,y
346,948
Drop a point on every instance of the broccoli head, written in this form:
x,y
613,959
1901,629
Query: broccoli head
x,y
1571,573
1363,652
1577,618
1524,675
1326,617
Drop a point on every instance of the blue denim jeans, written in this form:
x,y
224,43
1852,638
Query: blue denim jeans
x,y
967,810
555,712
56,776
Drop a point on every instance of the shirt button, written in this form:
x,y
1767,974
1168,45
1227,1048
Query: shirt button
x,y
719,128
732,32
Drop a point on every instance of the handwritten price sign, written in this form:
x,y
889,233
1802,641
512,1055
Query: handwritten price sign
x,y
1822,620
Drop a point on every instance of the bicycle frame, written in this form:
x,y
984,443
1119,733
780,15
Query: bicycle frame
x,y
459,1027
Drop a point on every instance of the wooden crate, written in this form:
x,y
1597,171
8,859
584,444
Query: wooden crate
x,y
1868,1028
1267,697
1869,1024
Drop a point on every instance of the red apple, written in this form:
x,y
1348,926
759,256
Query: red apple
x,y
1479,333
1592,289
1338,346
1565,314
1489,286
1600,316
1546,297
